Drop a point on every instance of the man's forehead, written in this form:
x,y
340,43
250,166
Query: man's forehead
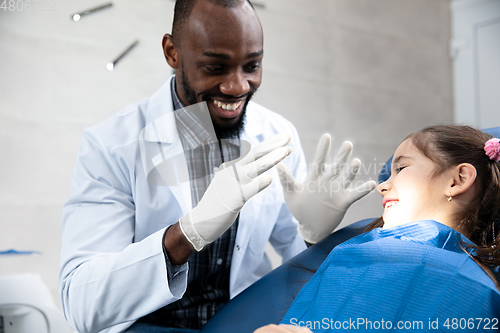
x,y
217,21
214,5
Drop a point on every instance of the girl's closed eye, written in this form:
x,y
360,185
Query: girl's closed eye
x,y
398,170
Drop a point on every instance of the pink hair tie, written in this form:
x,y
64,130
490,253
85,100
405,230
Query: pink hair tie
x,y
492,149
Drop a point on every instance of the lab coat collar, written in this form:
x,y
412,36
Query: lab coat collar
x,y
160,111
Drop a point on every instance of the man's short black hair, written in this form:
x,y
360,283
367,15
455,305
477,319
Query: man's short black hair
x,y
183,9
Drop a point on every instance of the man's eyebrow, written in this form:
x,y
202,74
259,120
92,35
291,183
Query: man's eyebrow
x,y
223,56
217,55
255,54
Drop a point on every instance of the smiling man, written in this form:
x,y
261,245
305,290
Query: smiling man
x,y
216,49
217,56
139,257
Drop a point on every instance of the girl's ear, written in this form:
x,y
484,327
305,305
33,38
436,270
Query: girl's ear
x,y
463,177
170,51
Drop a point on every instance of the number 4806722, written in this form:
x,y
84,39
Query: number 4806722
x,y
15,5
26,5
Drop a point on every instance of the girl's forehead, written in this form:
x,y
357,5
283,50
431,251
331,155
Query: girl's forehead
x,y
407,150
405,147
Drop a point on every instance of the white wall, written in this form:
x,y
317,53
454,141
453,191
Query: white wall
x,y
369,71
476,61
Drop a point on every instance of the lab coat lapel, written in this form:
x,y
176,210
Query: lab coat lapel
x,y
182,188
161,129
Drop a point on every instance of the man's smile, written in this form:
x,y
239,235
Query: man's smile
x,y
225,109
227,106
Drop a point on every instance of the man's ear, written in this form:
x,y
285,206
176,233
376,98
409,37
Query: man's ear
x,y
170,51
463,177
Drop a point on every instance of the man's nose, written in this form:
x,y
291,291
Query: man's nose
x,y
236,84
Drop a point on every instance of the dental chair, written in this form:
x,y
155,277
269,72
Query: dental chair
x,y
267,300
26,306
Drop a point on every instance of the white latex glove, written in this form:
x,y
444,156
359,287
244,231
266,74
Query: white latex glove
x,y
234,184
320,203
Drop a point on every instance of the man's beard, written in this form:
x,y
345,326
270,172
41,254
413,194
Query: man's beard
x,y
222,131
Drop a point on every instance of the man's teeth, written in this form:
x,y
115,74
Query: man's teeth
x,y
228,106
390,204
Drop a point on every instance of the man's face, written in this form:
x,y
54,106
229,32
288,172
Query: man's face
x,y
220,62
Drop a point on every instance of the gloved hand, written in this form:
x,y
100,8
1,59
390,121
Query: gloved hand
x,y
320,203
234,184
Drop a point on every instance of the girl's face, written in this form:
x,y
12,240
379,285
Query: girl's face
x,y
413,192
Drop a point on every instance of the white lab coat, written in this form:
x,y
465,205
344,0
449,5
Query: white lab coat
x,y
113,268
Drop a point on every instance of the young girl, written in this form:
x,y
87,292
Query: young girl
x,y
431,262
